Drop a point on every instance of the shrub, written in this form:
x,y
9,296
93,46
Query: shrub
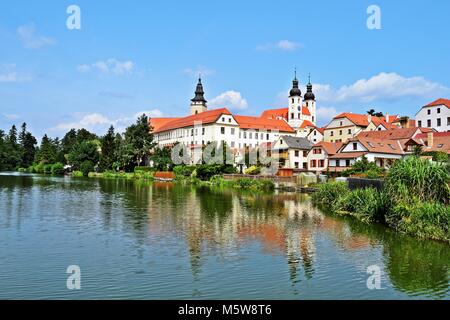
x,y
86,167
423,219
329,193
183,171
416,178
206,171
39,168
48,169
31,169
58,168
77,174
253,170
22,170
144,169
368,205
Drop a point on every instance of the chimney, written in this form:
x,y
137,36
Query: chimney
x,y
369,118
387,118
430,139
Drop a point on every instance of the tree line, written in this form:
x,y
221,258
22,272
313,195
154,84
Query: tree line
x,y
80,149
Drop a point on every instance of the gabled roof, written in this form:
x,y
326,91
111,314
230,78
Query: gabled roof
x,y
307,123
329,147
380,145
157,123
439,102
275,113
441,141
248,122
305,111
361,120
297,143
348,155
394,134
206,117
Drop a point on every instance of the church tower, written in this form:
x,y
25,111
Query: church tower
x,y
310,101
295,104
198,103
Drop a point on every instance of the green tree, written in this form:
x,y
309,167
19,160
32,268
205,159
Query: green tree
x,y
107,157
47,151
140,137
374,113
68,142
86,151
162,159
12,151
28,145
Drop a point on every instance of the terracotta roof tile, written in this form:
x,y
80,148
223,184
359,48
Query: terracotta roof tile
x,y
438,102
248,122
206,117
329,147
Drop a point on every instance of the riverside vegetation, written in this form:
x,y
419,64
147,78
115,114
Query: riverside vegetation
x,y
414,200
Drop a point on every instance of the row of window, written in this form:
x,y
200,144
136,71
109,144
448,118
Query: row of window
x,y
349,131
438,122
438,110
317,164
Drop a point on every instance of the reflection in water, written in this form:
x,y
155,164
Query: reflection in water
x,y
227,230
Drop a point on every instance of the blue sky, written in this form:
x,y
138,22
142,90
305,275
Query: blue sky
x,y
134,56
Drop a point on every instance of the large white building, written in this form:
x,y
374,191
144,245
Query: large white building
x,y
435,115
203,126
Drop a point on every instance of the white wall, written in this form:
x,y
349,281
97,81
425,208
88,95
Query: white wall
x,y
444,114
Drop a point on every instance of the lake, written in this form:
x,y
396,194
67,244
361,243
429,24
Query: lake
x,y
142,240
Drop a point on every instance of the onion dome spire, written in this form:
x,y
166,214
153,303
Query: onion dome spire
x,y
309,95
199,92
295,91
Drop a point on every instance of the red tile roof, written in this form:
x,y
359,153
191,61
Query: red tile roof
x,y
329,147
283,113
275,113
435,135
307,123
347,155
206,117
439,102
157,123
361,120
248,122
380,145
394,134
305,111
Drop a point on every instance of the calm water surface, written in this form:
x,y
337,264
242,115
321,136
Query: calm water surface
x,y
165,241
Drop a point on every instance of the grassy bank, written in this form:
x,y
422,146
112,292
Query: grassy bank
x,y
414,200
138,175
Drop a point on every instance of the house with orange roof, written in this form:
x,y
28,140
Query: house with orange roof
x,y
435,115
204,126
318,156
434,141
347,125
380,147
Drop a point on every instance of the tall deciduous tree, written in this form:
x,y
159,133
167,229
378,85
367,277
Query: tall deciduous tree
x,y
140,137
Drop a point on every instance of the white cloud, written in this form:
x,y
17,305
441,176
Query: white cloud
x,y
99,123
287,45
31,40
10,74
284,45
325,114
381,87
199,70
112,66
231,99
11,117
